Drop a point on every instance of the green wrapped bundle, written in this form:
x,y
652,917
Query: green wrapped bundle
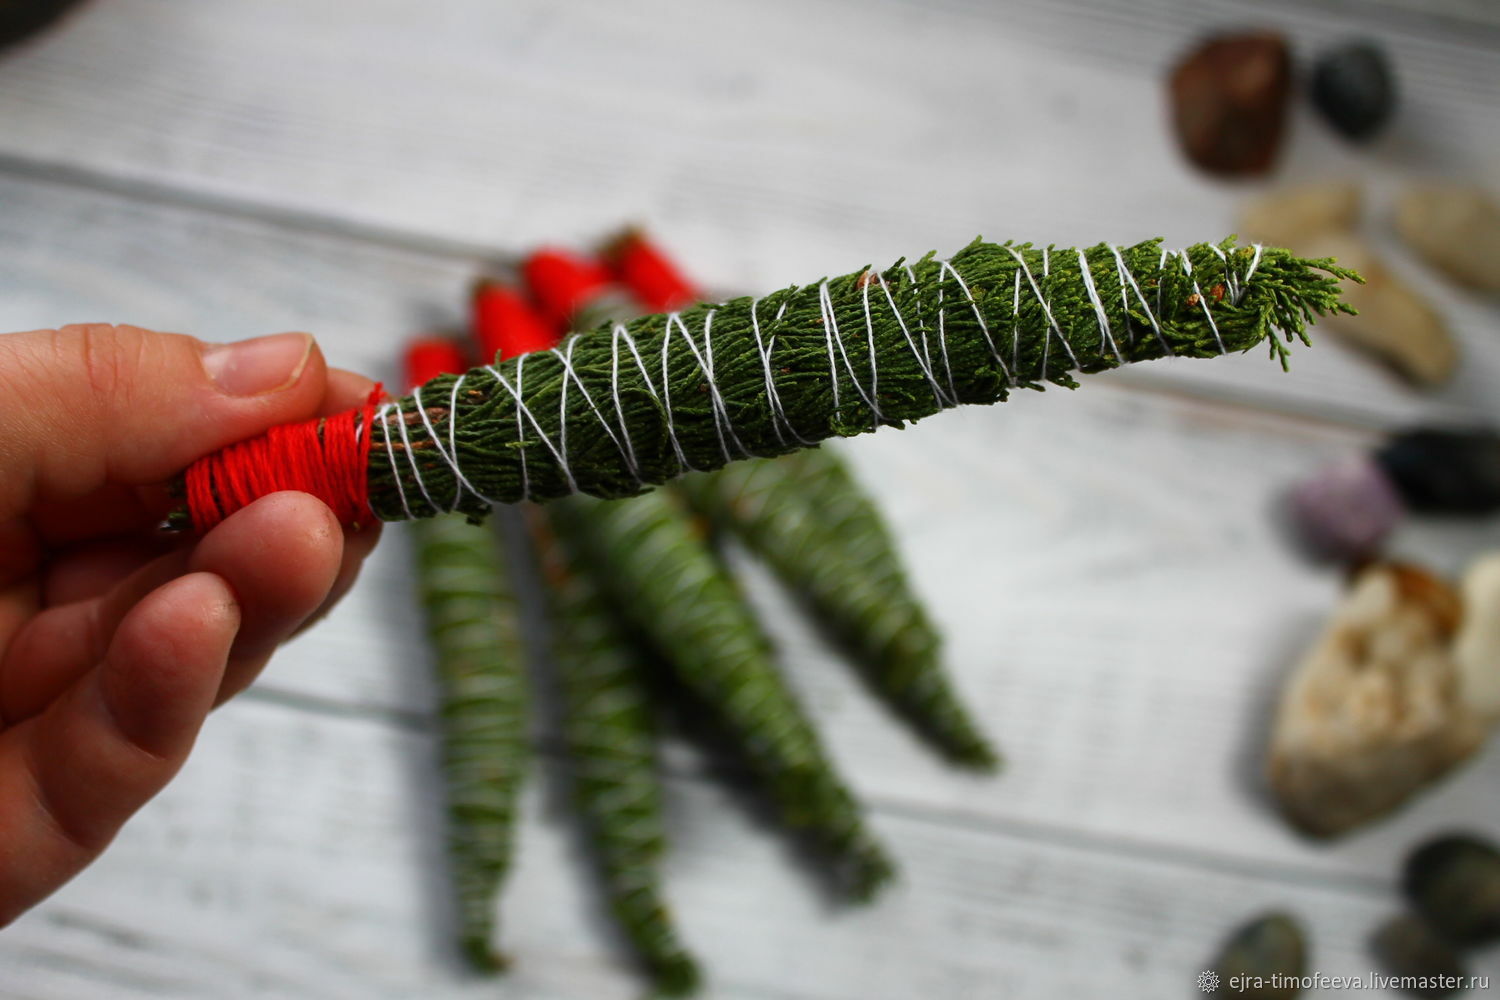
x,y
615,411
474,627
808,518
611,742
664,577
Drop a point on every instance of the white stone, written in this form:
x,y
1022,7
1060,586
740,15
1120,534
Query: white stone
x,y
1375,711
1477,648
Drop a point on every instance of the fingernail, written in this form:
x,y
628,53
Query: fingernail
x,y
255,367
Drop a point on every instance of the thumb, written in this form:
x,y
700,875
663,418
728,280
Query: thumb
x,y
97,404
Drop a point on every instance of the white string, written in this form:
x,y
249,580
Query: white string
x,y
1254,263
721,408
1046,308
1230,278
765,347
453,443
566,359
620,330
937,390
1161,266
1124,294
911,277
390,452
458,489
946,265
773,393
523,410
831,330
614,384
1015,323
716,401
1104,331
460,481
1126,275
1187,268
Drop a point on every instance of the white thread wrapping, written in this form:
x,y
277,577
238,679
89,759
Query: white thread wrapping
x,y
837,351
831,332
779,419
1187,268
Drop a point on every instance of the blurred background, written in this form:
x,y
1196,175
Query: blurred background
x,y
1122,589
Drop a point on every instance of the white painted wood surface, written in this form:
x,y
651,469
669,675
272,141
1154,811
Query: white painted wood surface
x,y
1106,564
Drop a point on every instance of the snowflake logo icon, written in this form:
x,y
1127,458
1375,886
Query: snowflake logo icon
x,y
1208,981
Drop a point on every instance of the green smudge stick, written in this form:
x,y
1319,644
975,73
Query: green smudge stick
x,y
615,411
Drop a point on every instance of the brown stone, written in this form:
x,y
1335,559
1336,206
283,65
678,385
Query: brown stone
x,y
1229,101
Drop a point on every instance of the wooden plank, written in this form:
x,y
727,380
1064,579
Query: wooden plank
x,y
1118,596
769,142
296,856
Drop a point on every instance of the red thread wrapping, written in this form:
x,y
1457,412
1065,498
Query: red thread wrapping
x,y
429,357
327,457
506,325
651,275
561,281
513,331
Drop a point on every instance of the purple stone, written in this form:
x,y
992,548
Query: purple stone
x,y
1347,510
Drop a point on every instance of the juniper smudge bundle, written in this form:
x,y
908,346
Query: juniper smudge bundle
x,y
805,515
474,629
614,411
577,290
717,650
609,731
619,409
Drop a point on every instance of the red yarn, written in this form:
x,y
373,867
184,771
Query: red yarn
x,y
561,282
505,324
650,274
327,457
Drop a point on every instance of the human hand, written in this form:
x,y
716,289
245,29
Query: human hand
x,y
116,640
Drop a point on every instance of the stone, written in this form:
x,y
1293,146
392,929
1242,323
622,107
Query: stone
x,y
1291,216
1477,647
1441,470
1456,230
20,19
1374,712
1260,958
1354,88
1229,101
1407,947
1346,511
1454,883
1395,325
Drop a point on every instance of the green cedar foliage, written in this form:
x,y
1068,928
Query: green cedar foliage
x,y
474,627
616,410
609,732
664,577
806,515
